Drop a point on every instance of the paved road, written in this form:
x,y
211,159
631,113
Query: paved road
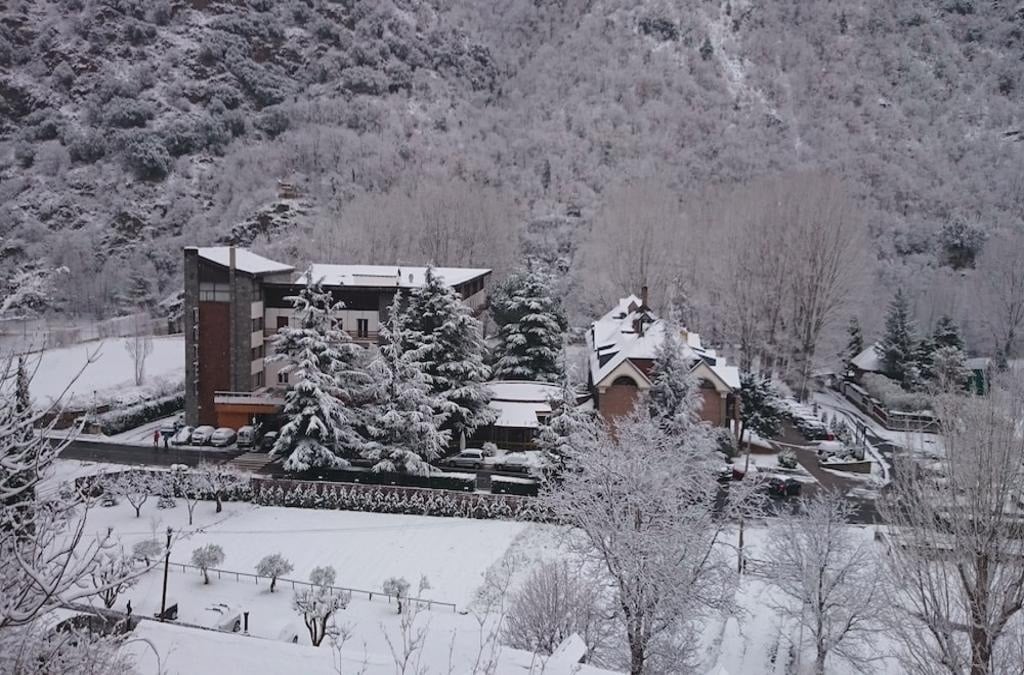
x,y
99,451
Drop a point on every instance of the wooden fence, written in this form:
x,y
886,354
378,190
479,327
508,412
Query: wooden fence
x,y
295,584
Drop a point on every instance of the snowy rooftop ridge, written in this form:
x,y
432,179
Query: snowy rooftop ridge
x,y
615,338
245,260
389,276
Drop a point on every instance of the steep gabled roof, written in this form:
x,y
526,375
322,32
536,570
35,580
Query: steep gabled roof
x,y
613,339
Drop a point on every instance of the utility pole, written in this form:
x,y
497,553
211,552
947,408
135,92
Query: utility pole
x,y
167,561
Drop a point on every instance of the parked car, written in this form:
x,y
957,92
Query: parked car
x,y
784,487
471,458
183,436
223,437
514,462
201,435
268,440
247,437
170,427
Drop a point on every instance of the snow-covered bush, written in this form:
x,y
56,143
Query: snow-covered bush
x,y
126,113
147,157
87,146
147,549
273,121
787,459
206,557
893,397
319,604
510,485
397,588
273,566
116,421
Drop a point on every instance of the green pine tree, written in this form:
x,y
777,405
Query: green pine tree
x,y
448,342
854,345
531,327
947,333
897,346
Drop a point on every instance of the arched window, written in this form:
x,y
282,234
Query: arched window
x,y
625,381
706,384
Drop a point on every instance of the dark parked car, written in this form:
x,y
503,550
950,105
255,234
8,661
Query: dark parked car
x,y
784,487
267,441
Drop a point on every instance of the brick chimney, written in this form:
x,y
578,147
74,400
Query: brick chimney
x,y
643,296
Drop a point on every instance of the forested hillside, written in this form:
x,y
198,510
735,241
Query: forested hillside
x,y
461,131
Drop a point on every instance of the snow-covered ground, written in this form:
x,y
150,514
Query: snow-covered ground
x,y
919,442
106,368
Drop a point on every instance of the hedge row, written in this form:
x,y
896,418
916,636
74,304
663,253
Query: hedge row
x,y
443,481
514,486
123,419
387,499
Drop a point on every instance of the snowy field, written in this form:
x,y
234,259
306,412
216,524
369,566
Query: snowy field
x,y
110,372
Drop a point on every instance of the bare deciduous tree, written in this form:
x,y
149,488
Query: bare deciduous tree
x,y
112,576
556,601
320,603
829,577
641,504
954,545
139,347
1001,270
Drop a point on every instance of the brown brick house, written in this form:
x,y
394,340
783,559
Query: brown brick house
x,y
621,347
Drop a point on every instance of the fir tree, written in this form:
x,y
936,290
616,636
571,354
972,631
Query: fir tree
x,y
854,345
897,346
531,326
923,365
947,333
569,426
760,408
403,424
674,402
22,397
449,343
949,369
320,404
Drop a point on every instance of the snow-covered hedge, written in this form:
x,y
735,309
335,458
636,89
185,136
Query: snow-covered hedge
x,y
893,397
510,485
123,419
464,482
392,499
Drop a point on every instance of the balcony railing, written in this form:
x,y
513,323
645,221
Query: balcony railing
x,y
261,397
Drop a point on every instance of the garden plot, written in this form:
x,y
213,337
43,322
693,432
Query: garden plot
x,y
364,548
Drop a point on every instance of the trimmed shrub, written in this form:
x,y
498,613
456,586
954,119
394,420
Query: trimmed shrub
x,y
444,481
116,421
893,397
506,485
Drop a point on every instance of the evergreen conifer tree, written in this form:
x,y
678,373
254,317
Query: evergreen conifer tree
x,y
760,408
22,397
947,333
674,401
569,427
320,404
531,326
448,340
897,346
403,424
854,345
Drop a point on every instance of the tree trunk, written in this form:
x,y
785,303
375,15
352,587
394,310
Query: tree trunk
x,y
637,657
219,505
206,576
981,652
273,582
819,663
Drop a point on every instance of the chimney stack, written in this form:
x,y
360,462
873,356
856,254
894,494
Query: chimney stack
x,y
643,296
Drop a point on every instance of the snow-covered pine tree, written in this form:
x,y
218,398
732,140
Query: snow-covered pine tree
x,y
449,343
947,333
402,424
854,345
22,397
322,421
674,402
760,407
568,428
896,348
531,326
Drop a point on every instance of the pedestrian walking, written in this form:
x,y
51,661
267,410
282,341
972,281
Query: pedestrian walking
x,y
156,438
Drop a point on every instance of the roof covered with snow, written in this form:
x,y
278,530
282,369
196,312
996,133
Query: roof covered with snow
x,y
632,332
519,403
245,260
389,276
868,360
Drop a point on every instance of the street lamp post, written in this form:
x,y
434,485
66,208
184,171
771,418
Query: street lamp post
x,y
167,560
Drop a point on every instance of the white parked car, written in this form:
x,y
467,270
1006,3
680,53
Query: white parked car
x,y
467,459
201,435
183,437
222,437
170,427
246,437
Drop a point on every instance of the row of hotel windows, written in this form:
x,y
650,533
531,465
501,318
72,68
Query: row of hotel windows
x,y
362,325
